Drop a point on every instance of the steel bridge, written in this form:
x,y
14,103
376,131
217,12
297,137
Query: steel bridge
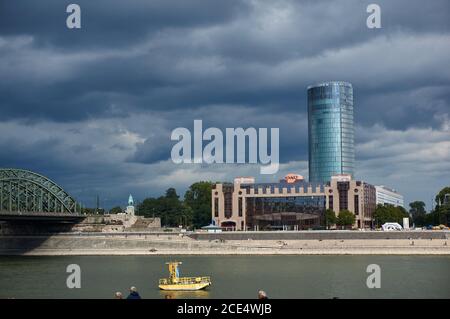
x,y
25,195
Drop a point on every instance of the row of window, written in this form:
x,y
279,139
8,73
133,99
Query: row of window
x,y
330,158
326,144
330,162
304,204
329,146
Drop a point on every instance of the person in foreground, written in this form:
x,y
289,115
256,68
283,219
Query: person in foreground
x,y
133,294
262,295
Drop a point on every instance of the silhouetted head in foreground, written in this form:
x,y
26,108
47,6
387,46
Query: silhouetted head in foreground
x,y
133,293
262,294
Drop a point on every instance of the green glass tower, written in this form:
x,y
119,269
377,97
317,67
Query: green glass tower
x,y
330,130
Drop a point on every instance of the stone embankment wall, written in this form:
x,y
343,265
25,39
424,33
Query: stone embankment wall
x,y
90,244
321,235
180,244
117,223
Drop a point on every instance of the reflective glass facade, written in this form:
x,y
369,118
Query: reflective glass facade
x,y
330,130
274,212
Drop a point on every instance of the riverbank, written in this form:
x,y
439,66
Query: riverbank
x,y
178,244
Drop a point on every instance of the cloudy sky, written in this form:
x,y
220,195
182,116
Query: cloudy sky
x,y
93,108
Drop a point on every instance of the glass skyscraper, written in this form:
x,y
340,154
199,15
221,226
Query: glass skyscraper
x,y
330,130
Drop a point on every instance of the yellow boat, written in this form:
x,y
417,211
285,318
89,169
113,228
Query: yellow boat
x,y
175,282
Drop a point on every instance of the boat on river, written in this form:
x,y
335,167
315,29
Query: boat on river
x,y
175,282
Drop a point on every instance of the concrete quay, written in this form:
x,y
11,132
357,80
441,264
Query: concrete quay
x,y
422,243
323,235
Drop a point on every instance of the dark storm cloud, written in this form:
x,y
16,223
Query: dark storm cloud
x,y
292,130
404,108
113,91
108,23
171,54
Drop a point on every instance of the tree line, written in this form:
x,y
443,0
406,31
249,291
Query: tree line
x,y
344,219
440,215
193,211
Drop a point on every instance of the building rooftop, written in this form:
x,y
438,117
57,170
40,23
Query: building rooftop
x,y
328,83
387,188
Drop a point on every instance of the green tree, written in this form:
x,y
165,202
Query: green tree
x,y
345,218
389,214
441,213
330,218
198,199
171,194
432,218
418,212
444,215
440,197
169,208
116,210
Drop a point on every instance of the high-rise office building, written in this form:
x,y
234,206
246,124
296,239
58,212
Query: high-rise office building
x,y
388,196
330,130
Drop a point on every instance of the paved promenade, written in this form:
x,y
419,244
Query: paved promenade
x,y
422,243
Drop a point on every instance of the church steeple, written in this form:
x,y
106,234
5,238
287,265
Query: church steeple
x,y
130,207
130,201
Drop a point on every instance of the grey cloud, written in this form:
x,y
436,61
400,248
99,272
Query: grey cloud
x,y
94,108
244,58
292,128
110,23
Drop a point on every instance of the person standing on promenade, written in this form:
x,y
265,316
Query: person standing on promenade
x,y
133,294
118,295
262,295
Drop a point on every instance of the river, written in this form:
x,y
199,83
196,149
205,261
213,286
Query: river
x,y
232,276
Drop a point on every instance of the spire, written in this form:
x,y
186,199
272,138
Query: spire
x,y
130,201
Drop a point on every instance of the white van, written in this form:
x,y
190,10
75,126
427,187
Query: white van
x,y
391,226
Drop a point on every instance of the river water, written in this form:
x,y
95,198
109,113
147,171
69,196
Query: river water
x,y
232,276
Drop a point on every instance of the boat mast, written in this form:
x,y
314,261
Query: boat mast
x,y
173,270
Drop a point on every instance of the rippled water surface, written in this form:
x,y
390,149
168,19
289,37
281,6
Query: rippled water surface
x,y
232,276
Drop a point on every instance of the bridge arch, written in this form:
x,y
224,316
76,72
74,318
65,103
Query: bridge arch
x,y
26,191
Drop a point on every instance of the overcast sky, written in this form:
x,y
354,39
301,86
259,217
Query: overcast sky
x,y
93,108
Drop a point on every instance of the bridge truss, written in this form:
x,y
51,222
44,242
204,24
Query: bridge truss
x,y
23,191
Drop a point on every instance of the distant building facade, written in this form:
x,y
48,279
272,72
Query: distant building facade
x,y
292,203
389,196
344,193
330,130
